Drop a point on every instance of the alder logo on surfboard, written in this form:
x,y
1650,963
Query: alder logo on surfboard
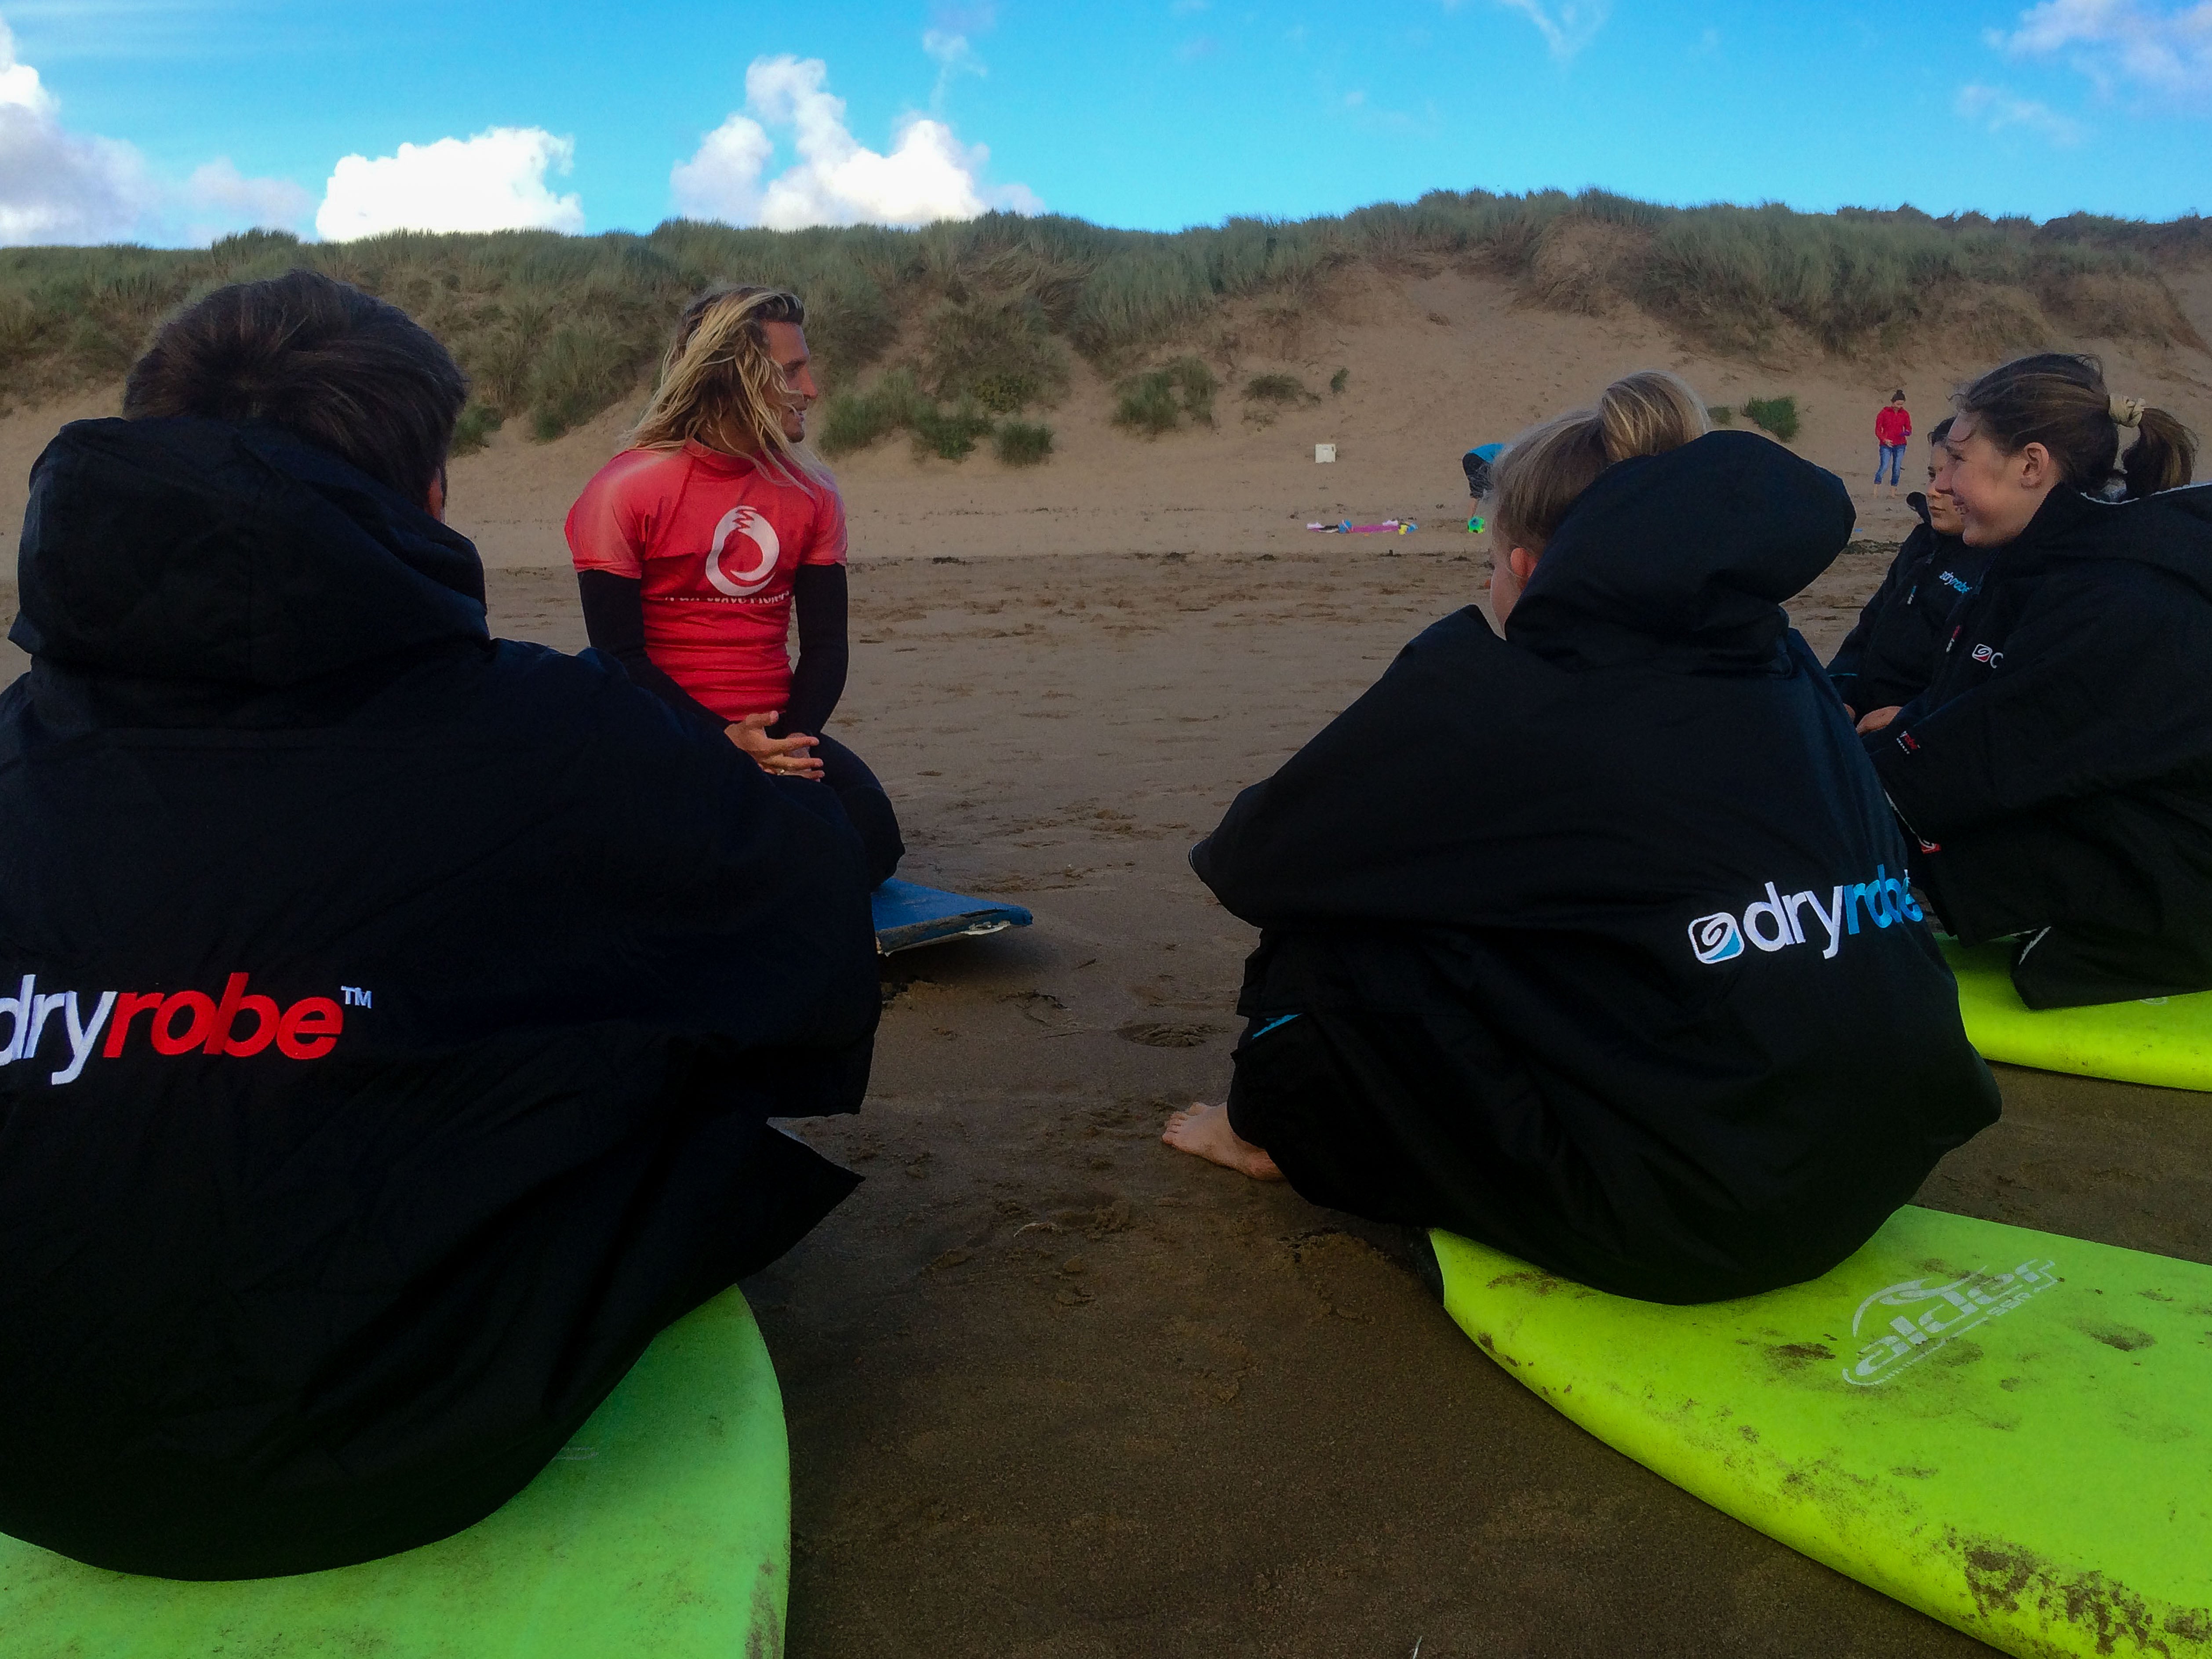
x,y
1775,923
1895,1339
752,574
234,1023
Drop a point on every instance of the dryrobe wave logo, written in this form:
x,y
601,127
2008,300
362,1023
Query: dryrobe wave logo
x,y
1715,938
1894,1341
1775,923
751,577
237,1024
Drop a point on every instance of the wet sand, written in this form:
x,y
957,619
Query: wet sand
x,y
1056,1390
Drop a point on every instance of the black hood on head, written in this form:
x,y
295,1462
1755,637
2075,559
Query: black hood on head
x,y
204,551
1746,525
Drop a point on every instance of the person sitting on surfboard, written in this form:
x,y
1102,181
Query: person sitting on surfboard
x,y
1889,656
393,1015
2058,771
1595,942
698,546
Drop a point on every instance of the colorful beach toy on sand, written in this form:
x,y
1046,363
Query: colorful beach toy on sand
x,y
2008,1430
662,1528
906,914
2164,1040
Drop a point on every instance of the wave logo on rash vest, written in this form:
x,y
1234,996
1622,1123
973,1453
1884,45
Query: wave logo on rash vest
x,y
1778,920
1715,938
1894,1342
748,524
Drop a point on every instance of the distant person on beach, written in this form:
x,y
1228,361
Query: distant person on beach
x,y
2058,771
699,545
1476,464
1594,942
393,1015
1893,430
1889,657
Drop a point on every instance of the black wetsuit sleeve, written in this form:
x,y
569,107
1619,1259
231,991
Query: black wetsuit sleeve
x,y
817,679
614,621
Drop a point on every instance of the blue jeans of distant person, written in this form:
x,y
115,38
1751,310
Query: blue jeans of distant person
x,y
1891,456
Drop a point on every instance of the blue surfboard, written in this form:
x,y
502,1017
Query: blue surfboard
x,y
908,914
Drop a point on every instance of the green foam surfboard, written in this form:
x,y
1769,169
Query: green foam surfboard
x,y
662,1528
2165,1041
2008,1430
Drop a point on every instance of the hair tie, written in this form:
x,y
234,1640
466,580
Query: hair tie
x,y
2128,411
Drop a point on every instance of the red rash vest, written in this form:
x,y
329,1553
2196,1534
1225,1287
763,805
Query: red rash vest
x,y
713,541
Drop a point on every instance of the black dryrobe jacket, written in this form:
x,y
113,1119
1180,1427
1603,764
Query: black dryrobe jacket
x,y
2058,770
392,1016
1890,655
1599,933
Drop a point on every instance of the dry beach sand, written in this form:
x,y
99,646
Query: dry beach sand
x,y
1055,1390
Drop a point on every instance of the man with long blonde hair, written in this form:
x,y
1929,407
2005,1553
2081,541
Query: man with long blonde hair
x,y
698,547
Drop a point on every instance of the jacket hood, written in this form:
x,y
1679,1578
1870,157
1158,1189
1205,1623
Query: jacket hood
x,y
1687,555
194,549
1918,503
2171,530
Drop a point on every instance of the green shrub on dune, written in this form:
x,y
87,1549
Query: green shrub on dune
x,y
1159,399
1777,415
1022,443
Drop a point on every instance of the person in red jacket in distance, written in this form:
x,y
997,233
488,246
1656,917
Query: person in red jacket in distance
x,y
1892,428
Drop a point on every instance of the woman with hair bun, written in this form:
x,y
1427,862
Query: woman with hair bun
x,y
1573,941
2058,771
699,545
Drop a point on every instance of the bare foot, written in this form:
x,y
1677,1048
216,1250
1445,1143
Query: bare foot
x,y
1203,1131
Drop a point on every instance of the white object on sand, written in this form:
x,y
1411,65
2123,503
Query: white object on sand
x,y
1324,451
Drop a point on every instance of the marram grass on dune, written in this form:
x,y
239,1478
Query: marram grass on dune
x,y
553,329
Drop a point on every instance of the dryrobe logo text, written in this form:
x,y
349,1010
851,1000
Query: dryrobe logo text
x,y
1775,923
238,1024
1895,1342
1957,584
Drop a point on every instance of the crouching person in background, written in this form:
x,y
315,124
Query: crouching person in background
x,y
397,1012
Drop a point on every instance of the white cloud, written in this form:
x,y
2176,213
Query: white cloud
x,y
493,181
1997,109
2112,41
218,200
1567,27
57,185
955,58
838,180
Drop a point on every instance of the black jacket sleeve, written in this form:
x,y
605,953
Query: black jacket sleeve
x,y
1850,663
614,621
817,680
2093,693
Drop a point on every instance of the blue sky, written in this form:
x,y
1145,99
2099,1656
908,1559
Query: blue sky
x,y
1159,113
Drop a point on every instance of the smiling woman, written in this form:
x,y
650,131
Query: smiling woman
x,y
2057,772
